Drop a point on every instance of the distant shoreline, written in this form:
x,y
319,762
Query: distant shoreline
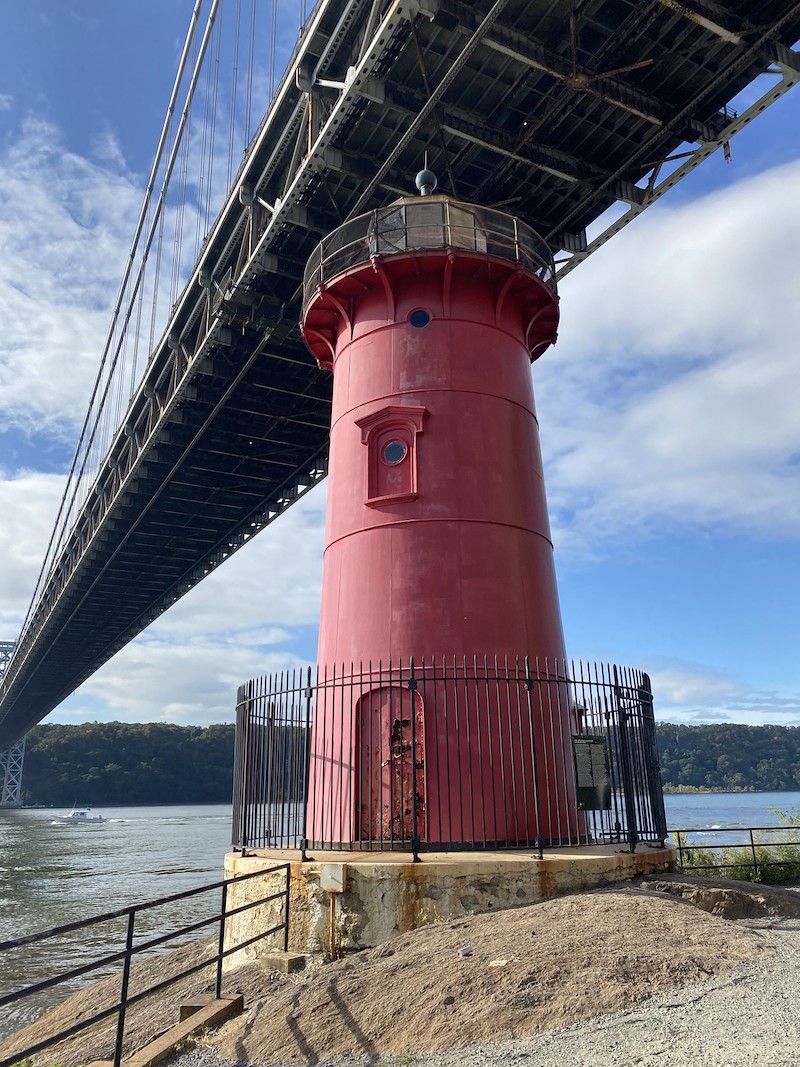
x,y
688,790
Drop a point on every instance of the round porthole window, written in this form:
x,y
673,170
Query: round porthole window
x,y
419,318
394,452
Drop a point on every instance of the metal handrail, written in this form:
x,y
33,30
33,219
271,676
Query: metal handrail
x,y
684,846
125,955
427,224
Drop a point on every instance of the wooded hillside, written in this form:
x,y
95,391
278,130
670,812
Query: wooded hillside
x,y
728,756
158,763
128,763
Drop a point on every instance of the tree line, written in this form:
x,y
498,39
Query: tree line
x,y
160,763
729,756
115,763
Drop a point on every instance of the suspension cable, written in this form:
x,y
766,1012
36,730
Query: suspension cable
x,y
250,58
234,89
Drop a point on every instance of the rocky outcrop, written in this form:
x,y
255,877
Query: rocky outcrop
x,y
725,897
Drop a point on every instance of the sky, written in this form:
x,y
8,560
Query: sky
x,y
669,408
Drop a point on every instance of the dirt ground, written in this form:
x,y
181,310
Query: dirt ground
x,y
487,977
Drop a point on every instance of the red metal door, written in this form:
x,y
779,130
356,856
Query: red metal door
x,y
390,750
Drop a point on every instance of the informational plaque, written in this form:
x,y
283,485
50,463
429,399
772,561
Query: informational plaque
x,y
591,773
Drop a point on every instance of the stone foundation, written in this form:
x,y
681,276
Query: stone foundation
x,y
351,900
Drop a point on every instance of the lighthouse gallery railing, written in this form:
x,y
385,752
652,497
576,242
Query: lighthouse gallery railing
x,y
427,223
611,787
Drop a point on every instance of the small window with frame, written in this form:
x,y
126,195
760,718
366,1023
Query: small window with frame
x,y
390,436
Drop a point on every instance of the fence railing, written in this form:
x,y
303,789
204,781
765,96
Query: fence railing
x,y
770,853
447,755
124,956
424,224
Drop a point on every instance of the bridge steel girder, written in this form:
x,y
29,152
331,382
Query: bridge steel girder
x,y
555,122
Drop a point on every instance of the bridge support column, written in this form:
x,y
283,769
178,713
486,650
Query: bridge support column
x,y
11,764
12,758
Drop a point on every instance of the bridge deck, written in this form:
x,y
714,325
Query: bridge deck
x,y
552,110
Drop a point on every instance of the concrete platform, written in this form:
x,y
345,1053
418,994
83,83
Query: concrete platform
x,y
340,901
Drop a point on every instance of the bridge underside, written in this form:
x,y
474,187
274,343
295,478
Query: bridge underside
x,y
552,110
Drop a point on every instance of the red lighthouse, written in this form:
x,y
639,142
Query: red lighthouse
x,y
437,547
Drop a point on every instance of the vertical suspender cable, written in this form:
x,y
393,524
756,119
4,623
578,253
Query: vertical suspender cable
x,y
182,183
156,281
234,90
136,337
205,155
212,137
250,62
273,35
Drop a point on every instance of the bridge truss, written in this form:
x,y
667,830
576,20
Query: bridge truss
x,y
12,759
575,115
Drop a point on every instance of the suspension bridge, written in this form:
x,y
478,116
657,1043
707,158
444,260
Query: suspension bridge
x,y
208,418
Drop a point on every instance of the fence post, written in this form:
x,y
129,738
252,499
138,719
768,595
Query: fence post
x,y
626,768
679,846
412,688
241,748
753,850
123,1000
529,690
652,768
306,770
221,943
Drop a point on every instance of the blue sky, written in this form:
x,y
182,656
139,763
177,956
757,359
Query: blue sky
x,y
669,409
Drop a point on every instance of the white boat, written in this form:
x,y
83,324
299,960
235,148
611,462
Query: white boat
x,y
81,815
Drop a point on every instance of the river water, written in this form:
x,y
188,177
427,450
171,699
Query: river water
x,y
52,873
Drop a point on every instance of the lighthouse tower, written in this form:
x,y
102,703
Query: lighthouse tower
x,y
437,547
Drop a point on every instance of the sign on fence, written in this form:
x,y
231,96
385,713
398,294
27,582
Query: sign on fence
x,y
592,780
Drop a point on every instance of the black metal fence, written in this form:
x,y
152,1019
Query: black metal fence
x,y
447,755
769,854
124,956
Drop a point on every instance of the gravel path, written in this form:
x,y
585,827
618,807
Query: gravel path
x,y
750,1018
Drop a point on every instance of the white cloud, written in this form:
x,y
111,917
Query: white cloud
x,y
680,684
690,693
670,398
274,580
106,149
64,233
190,682
241,622
28,504
6,101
